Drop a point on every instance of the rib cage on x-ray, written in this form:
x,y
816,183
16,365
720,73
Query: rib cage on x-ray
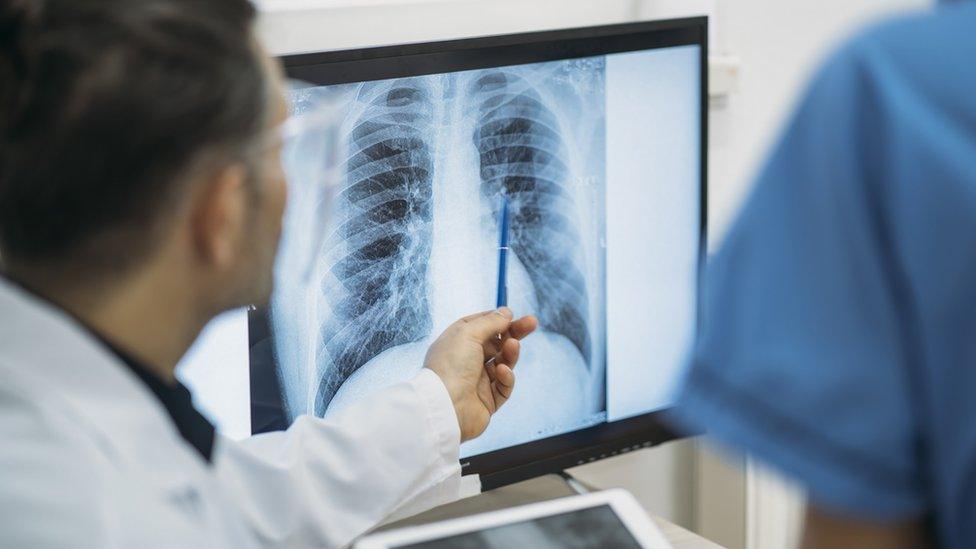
x,y
374,286
378,286
521,154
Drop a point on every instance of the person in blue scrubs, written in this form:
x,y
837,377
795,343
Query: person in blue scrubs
x,y
839,317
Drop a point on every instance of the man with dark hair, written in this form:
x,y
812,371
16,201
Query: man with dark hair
x,y
141,193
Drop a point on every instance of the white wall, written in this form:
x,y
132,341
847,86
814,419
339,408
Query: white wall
x,y
291,26
779,43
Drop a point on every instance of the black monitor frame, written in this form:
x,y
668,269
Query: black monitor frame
x,y
558,452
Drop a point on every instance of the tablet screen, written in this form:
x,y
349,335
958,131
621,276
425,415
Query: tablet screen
x,y
590,528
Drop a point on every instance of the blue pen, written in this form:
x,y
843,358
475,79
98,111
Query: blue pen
x,y
502,297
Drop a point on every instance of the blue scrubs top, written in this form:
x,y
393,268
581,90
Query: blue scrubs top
x,y
839,317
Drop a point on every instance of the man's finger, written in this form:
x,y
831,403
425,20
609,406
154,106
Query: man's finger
x,y
505,377
473,316
490,367
519,329
509,353
522,327
493,346
503,385
487,325
503,311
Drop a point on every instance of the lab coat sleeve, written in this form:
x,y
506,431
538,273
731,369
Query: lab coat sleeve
x,y
323,482
806,357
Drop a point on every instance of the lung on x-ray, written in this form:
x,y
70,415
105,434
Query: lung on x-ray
x,y
412,242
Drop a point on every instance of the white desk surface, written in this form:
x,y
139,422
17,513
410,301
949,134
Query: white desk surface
x,y
540,489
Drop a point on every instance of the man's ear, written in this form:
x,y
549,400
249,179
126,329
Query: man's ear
x,y
219,216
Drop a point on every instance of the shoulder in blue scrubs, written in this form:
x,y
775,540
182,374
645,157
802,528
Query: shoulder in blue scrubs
x,y
839,328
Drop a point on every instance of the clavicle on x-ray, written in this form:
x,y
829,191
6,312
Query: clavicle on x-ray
x,y
397,236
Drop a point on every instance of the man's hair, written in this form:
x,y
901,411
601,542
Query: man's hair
x,y
106,106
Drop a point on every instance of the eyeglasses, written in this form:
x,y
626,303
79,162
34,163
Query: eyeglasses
x,y
312,143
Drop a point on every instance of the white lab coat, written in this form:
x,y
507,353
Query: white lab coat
x,y
90,458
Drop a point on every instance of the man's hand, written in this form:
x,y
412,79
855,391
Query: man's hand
x,y
474,357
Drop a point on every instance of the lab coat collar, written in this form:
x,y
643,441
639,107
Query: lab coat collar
x,y
49,349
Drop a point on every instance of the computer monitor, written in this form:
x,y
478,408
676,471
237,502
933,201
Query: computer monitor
x,y
596,138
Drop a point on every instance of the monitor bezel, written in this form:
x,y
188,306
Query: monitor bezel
x,y
559,452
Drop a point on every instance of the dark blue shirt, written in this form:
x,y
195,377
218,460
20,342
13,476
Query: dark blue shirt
x,y
839,316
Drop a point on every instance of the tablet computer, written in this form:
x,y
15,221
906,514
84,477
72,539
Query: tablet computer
x,y
606,519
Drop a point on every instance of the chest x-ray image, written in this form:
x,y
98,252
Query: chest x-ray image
x,y
412,242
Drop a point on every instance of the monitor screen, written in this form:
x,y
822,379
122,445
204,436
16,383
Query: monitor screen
x,y
593,137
